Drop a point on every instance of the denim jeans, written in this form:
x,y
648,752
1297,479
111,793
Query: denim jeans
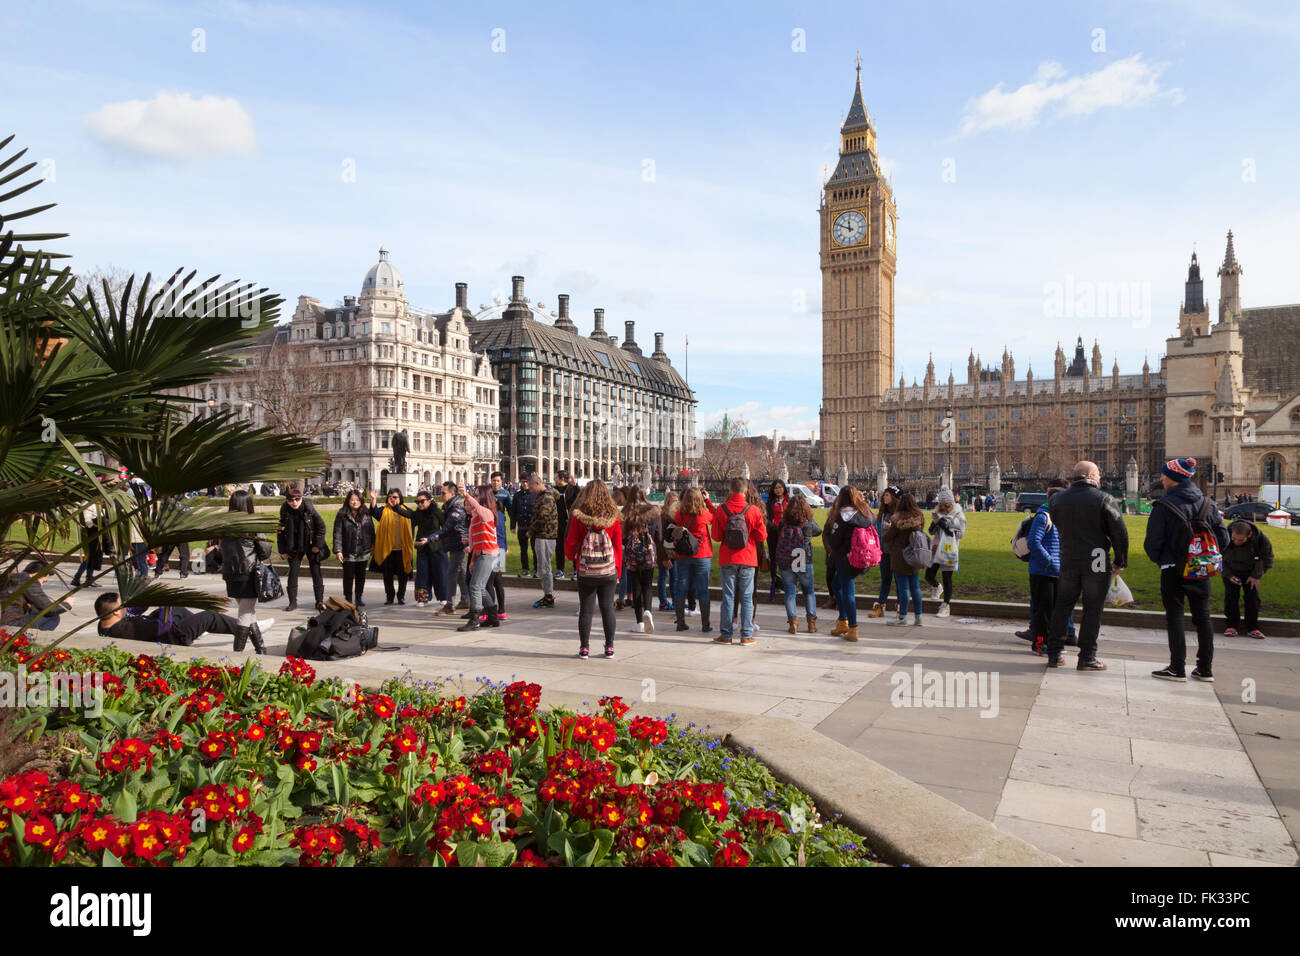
x,y
908,585
737,581
667,579
692,572
480,599
846,601
885,578
140,558
455,578
804,579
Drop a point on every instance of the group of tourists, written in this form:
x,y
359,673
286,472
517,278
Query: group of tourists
x,y
625,551
1078,543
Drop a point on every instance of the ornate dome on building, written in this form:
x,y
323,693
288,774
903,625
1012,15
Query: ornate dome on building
x,y
383,276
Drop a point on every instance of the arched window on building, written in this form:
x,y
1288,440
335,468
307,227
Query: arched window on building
x,y
1295,417
1195,422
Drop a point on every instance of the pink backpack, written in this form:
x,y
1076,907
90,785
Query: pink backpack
x,y
864,552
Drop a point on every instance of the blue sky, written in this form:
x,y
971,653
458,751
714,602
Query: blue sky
x,y
1065,162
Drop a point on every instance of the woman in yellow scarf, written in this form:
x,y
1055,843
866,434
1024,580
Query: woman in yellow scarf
x,y
394,543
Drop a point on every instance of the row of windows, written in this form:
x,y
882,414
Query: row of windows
x,y
1016,413
1101,435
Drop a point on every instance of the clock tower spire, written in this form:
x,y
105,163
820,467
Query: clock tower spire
x,y
858,262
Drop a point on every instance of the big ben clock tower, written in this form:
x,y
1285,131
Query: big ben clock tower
x,y
858,259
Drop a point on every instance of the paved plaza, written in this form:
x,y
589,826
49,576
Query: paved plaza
x,y
1111,768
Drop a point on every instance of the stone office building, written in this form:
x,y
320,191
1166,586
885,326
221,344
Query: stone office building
x,y
372,366
584,404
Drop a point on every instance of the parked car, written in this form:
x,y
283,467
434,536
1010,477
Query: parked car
x,y
814,501
1256,511
1030,500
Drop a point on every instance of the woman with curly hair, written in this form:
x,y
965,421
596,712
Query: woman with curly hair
x,y
595,546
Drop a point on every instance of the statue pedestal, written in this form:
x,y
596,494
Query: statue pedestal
x,y
406,484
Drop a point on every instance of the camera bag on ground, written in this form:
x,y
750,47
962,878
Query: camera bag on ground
x,y
334,634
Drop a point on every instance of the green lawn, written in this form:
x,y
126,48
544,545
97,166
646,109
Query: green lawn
x,y
990,571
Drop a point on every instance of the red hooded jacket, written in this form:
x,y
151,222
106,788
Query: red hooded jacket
x,y
754,518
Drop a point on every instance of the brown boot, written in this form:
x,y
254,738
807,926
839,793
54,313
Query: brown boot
x,y
851,634
840,627
812,624
877,610
794,628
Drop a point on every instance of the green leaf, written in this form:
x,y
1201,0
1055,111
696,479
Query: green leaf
x,y
497,854
467,853
110,861
603,840
124,807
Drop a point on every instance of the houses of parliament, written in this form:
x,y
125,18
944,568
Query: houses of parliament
x,y
1226,392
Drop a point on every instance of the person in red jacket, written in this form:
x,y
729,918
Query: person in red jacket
x,y
740,528
595,546
693,516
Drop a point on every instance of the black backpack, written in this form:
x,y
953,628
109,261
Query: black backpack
x,y
685,544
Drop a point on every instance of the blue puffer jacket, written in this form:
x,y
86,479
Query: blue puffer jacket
x,y
1044,546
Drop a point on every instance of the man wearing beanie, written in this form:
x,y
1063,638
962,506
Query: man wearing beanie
x,y
1090,527
1169,531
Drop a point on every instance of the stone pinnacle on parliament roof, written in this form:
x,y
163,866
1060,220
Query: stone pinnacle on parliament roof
x,y
1230,265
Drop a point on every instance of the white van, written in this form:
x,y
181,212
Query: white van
x,y
814,501
1289,497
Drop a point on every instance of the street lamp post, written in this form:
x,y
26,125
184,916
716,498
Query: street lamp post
x,y
1123,437
853,445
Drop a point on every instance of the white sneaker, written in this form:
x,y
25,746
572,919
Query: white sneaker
x,y
937,595
756,627
648,622
636,629
943,611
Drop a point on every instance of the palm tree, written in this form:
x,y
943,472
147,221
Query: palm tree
x,y
86,377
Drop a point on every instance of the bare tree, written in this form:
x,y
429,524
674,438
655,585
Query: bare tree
x,y
92,283
300,397
1054,443
726,450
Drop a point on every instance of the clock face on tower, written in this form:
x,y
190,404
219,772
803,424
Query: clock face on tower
x,y
850,228
889,231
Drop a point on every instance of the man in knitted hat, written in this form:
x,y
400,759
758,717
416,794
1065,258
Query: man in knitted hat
x,y
1182,512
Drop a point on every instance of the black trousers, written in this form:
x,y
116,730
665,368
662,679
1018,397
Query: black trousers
x,y
354,579
559,547
184,558
1042,595
496,586
1232,597
1173,591
525,551
317,581
188,625
641,583
591,593
1073,584
932,578
394,570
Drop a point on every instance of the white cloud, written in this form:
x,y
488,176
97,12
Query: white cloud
x,y
176,126
637,296
790,421
1124,83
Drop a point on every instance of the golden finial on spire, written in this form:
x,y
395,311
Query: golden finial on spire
x,y
859,61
